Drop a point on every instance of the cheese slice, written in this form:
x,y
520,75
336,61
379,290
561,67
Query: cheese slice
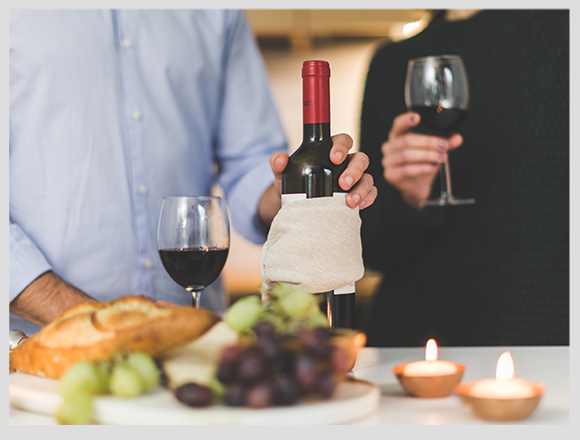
x,y
198,361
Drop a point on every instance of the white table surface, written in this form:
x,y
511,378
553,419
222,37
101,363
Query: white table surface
x,y
549,365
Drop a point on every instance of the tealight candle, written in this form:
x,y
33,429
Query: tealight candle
x,y
430,366
505,385
505,398
431,377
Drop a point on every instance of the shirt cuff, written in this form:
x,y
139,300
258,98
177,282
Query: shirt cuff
x,y
243,201
26,261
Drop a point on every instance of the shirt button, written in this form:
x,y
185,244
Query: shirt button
x,y
142,189
136,115
126,43
148,264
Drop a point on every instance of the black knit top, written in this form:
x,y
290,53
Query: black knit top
x,y
497,272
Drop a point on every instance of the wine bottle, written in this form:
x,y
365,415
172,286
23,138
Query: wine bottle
x,y
310,172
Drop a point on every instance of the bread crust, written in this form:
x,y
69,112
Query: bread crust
x,y
97,331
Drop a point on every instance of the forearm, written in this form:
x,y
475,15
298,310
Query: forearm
x,y
46,298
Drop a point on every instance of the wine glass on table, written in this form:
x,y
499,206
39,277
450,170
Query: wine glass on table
x,y
436,88
193,239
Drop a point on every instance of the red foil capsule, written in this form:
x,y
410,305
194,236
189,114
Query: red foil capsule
x,y
316,92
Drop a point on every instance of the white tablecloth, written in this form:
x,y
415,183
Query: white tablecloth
x,y
549,365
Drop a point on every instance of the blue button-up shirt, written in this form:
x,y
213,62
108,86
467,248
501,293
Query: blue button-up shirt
x,y
110,111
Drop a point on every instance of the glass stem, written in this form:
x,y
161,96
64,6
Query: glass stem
x,y
445,179
195,298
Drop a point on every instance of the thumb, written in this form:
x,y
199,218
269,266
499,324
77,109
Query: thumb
x,y
278,162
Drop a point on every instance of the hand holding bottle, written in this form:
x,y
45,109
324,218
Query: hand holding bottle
x,y
362,192
319,169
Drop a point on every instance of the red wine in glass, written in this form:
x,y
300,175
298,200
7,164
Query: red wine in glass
x,y
440,121
436,88
194,268
193,240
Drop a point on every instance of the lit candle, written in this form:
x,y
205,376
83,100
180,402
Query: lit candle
x,y
430,366
505,385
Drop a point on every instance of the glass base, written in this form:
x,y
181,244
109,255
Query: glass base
x,y
446,201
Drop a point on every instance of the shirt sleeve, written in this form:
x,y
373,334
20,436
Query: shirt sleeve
x,y
249,131
392,231
27,262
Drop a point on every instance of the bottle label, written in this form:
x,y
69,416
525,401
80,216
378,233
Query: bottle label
x,y
287,198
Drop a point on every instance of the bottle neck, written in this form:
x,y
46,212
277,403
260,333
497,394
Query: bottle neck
x,y
315,132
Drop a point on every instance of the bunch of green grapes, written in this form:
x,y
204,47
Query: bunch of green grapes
x,y
288,308
125,377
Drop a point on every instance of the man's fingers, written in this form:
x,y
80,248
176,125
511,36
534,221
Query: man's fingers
x,y
353,178
364,190
369,199
357,165
341,145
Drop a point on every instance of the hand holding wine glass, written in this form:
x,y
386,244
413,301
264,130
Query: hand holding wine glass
x,y
436,88
193,239
411,160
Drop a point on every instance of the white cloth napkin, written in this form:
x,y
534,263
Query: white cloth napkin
x,y
313,244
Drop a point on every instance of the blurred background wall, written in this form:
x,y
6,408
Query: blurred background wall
x,y
346,39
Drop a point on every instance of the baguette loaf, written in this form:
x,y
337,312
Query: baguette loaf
x,y
97,331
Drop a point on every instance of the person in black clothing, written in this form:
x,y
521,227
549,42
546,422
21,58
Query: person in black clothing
x,y
493,273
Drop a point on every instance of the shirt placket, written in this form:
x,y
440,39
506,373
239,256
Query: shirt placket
x,y
133,115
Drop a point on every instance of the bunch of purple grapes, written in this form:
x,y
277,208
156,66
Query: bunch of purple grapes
x,y
279,369
274,369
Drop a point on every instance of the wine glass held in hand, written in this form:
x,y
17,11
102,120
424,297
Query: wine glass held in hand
x,y
437,89
193,239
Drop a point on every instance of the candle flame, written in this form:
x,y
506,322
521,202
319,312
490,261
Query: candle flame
x,y
505,366
431,350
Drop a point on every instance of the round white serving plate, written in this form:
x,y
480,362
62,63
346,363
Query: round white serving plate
x,y
352,399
